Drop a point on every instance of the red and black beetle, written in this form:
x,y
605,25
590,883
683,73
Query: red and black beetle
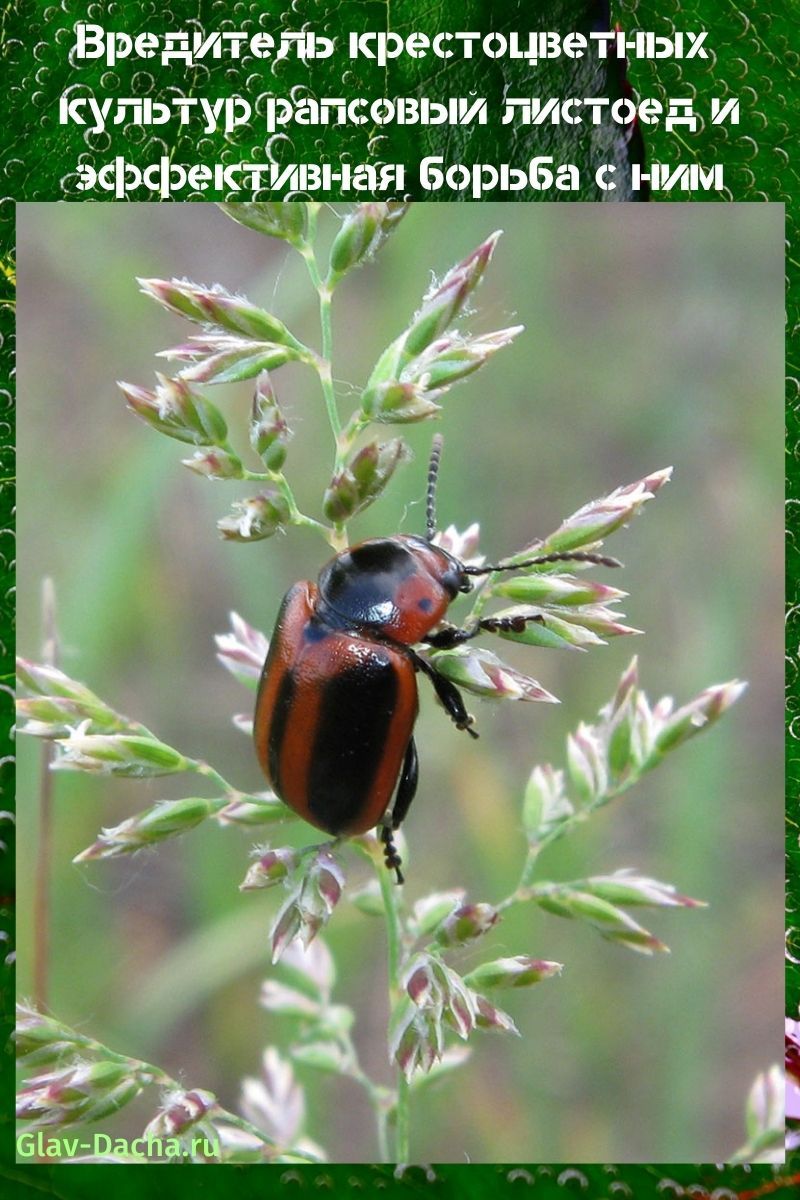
x,y
337,700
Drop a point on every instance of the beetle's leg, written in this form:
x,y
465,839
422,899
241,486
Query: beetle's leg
x,y
406,791
390,854
452,635
448,693
407,787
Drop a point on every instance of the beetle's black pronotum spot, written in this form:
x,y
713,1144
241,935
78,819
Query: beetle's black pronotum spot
x,y
353,725
361,585
382,555
425,604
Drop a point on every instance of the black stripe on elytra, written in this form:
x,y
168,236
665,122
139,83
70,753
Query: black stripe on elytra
x,y
281,714
352,729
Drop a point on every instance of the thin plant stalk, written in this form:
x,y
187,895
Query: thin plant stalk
x,y
326,328
396,1133
343,439
41,903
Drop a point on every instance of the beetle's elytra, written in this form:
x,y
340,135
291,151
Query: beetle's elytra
x,y
338,699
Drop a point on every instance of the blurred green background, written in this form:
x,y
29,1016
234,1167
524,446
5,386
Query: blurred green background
x,y
654,336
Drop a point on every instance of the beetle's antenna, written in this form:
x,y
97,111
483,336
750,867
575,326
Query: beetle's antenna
x,y
599,560
433,475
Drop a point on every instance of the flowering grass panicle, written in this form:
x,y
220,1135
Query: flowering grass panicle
x,y
438,1001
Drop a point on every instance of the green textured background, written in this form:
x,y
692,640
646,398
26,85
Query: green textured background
x,y
756,59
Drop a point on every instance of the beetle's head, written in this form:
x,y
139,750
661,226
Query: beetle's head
x,y
452,574
399,586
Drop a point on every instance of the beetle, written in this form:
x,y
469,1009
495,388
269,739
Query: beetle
x,y
337,700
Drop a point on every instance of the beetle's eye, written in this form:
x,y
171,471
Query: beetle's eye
x,y
453,580
466,584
